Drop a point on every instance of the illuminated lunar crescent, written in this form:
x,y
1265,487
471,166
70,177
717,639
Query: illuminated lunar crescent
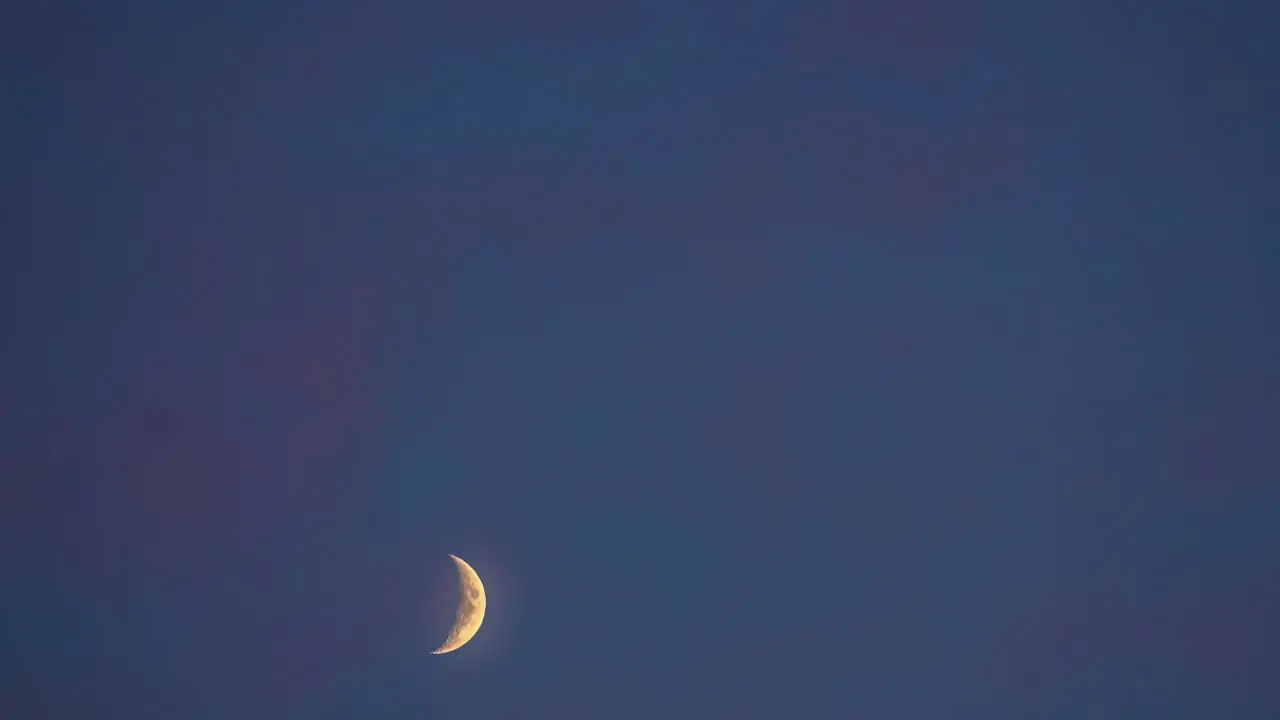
x,y
471,605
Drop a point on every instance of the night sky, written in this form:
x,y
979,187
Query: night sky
x,y
767,360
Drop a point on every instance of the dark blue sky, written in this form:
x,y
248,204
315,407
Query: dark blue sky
x,y
768,360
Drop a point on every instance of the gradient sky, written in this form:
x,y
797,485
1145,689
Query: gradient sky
x,y
768,360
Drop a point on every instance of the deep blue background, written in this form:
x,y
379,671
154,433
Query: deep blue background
x,y
909,359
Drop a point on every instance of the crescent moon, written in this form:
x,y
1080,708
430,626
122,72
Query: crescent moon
x,y
471,604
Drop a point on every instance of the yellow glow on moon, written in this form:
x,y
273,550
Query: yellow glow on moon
x,y
471,606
